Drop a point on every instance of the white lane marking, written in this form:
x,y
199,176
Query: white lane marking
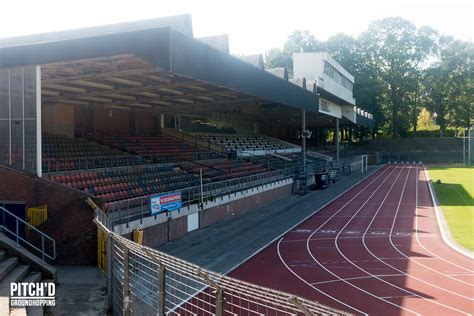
x,y
391,242
345,257
400,296
416,234
337,276
418,241
358,278
309,284
372,173
301,278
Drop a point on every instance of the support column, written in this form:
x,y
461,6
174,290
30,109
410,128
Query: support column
x,y
39,164
337,140
303,145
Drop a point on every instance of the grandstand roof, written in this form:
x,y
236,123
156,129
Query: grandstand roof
x,y
155,64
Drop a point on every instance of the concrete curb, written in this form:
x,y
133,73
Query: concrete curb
x,y
443,225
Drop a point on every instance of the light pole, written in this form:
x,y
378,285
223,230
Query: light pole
x,y
304,134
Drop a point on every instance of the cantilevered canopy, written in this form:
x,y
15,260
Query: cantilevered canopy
x,y
153,68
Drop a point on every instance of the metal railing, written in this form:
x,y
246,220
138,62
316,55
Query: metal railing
x,y
20,227
124,211
88,163
144,281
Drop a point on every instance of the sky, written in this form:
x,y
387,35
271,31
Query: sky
x,y
253,26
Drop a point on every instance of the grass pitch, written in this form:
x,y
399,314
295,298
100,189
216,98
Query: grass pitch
x,y
456,197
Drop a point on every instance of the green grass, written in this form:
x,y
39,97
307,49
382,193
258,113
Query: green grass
x,y
455,195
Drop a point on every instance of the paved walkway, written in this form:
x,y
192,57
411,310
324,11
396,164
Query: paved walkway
x,y
80,290
225,245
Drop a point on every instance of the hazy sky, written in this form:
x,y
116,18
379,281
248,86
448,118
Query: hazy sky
x,y
253,26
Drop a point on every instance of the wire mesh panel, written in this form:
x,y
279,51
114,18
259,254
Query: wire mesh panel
x,y
148,282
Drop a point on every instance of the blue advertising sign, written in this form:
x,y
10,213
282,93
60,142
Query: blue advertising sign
x,y
165,202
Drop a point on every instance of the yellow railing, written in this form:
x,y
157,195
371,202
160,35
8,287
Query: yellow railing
x,y
37,215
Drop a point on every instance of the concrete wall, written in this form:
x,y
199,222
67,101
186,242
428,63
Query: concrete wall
x,y
111,120
159,229
58,119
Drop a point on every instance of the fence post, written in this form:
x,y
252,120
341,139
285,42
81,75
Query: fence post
x,y
293,300
16,228
161,282
42,247
161,291
126,283
108,262
220,301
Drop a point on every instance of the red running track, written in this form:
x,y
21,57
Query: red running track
x,y
377,249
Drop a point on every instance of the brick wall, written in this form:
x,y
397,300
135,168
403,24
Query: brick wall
x,y
69,217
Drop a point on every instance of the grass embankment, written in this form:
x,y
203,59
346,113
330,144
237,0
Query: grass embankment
x,y
456,198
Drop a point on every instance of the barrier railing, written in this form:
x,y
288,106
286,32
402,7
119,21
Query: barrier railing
x,y
144,281
88,163
124,211
16,228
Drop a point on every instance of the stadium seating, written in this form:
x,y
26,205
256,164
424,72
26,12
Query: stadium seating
x,y
63,153
127,183
166,165
159,148
245,142
223,169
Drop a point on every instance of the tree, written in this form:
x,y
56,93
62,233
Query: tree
x,y
425,120
274,58
298,41
449,87
367,88
397,49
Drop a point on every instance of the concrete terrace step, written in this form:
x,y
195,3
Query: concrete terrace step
x,y
3,255
7,265
32,277
16,275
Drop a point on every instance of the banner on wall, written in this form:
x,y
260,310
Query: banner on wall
x,y
165,202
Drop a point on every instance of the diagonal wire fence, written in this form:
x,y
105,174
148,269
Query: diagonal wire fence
x,y
144,281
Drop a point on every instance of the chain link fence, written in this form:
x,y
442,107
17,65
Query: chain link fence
x,y
144,281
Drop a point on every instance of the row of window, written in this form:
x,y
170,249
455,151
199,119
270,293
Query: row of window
x,y
337,76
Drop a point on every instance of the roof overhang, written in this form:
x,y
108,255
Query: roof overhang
x,y
170,54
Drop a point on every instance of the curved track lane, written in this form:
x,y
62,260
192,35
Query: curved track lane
x,y
376,249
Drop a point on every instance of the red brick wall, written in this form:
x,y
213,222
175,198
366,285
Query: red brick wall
x,y
69,217
156,235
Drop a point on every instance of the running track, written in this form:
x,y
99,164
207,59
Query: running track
x,y
376,250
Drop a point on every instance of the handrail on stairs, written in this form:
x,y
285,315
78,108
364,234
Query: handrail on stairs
x,y
6,215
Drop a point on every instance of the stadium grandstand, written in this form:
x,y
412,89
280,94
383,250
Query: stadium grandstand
x,y
122,115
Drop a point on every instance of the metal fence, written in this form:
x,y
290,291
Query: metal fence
x,y
426,156
144,281
89,163
125,211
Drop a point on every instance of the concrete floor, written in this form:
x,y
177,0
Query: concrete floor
x,y
80,290
225,245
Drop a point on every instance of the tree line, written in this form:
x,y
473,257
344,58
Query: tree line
x,y
400,71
